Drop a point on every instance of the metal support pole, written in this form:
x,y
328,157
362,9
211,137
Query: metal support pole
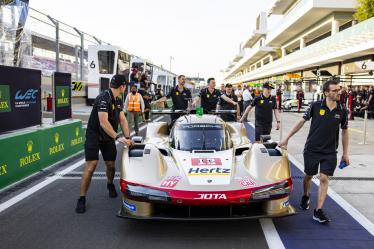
x,y
81,34
57,49
365,126
76,53
97,40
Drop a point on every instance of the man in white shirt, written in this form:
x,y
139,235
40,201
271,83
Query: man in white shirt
x,y
247,97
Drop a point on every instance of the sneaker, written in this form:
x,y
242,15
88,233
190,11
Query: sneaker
x,y
81,205
112,190
320,216
304,204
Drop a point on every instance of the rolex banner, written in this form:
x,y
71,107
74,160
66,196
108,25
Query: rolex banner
x,y
20,99
62,96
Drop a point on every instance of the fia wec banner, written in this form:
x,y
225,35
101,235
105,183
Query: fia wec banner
x,y
20,98
62,96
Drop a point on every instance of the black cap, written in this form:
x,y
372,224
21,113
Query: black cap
x,y
268,85
118,80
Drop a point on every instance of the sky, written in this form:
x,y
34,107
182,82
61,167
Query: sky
x,y
201,35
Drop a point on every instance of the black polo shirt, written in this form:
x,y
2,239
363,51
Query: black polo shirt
x,y
323,134
209,99
180,99
105,102
264,109
228,106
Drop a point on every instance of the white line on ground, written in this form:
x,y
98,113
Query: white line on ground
x,y
360,218
271,234
30,191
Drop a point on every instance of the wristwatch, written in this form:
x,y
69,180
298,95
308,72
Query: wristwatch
x,y
278,122
118,136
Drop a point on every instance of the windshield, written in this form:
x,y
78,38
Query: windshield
x,y
199,137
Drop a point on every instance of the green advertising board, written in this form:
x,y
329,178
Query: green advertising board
x,y
24,153
21,156
4,99
61,141
62,96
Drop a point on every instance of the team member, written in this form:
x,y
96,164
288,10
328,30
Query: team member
x,y
265,106
229,105
209,96
100,135
134,104
322,143
180,96
222,88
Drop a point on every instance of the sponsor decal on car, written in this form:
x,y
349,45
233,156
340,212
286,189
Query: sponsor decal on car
x,y
285,204
208,171
246,181
130,207
170,181
206,161
211,197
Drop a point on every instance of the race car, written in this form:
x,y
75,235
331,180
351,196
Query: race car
x,y
203,169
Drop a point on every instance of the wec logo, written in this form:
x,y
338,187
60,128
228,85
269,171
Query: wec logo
x,y
211,197
28,95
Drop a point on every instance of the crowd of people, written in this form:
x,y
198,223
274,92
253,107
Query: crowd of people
x,y
357,100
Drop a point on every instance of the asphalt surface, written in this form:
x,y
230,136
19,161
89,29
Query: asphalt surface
x,y
47,219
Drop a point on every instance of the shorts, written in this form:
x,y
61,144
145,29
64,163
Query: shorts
x,y
262,129
326,162
93,145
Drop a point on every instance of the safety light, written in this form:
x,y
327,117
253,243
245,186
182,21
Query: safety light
x,y
275,191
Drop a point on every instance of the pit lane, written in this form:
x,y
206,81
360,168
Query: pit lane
x,y
46,219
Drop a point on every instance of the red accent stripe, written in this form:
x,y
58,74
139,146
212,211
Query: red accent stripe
x,y
184,197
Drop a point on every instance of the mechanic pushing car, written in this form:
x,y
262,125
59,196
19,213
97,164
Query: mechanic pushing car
x,y
225,105
180,96
210,96
322,143
265,106
101,135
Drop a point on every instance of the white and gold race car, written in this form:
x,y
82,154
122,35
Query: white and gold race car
x,y
204,168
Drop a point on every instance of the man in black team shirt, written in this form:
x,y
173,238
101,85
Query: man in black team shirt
x,y
265,105
180,96
224,105
209,96
101,135
322,143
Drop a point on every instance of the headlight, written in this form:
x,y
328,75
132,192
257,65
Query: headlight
x,y
147,194
272,192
